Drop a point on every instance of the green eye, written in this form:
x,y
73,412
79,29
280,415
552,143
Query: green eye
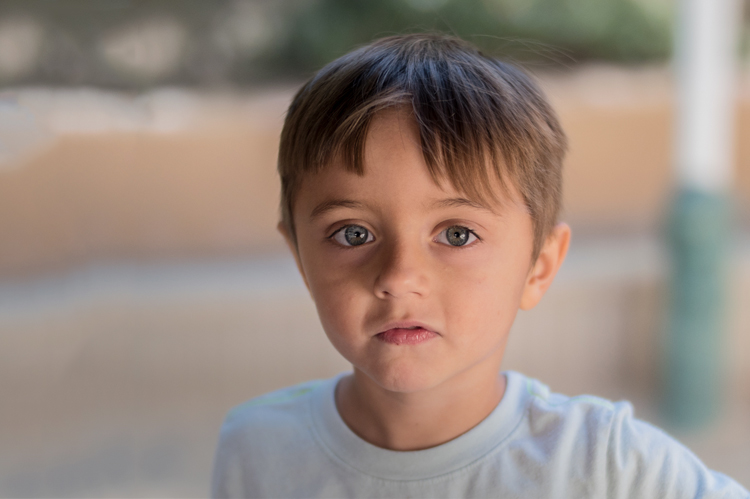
x,y
352,235
456,235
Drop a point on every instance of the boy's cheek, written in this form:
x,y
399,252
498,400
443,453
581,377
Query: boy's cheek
x,y
335,284
343,321
338,305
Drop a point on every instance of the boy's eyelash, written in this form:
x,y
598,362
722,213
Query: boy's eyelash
x,y
475,234
465,227
339,229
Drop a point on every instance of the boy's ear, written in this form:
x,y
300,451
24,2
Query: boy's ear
x,y
282,228
545,268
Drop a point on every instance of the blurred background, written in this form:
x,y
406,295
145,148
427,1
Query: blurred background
x,y
144,290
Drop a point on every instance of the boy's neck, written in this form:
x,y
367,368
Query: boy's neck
x,y
414,421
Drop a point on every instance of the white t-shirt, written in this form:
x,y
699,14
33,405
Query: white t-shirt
x,y
534,444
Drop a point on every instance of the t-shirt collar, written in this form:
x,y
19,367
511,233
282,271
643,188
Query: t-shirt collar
x,y
345,447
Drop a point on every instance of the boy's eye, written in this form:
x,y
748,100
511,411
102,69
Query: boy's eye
x,y
456,235
352,235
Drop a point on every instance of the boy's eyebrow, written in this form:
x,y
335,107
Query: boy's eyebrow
x,y
453,202
331,204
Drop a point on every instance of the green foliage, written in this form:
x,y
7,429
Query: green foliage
x,y
551,31
244,41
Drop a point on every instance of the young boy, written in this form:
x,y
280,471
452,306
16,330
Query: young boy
x,y
421,184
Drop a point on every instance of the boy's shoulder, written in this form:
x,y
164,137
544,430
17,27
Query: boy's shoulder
x,y
573,425
599,438
539,393
592,425
261,433
281,408
546,410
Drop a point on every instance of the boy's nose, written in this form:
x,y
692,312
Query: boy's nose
x,y
401,272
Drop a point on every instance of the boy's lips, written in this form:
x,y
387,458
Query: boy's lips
x,y
406,333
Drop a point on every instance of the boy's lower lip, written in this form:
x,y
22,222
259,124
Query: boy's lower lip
x,y
399,336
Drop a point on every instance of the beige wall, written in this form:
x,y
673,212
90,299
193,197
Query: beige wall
x,y
120,188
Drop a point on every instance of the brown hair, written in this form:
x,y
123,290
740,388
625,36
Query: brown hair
x,y
475,115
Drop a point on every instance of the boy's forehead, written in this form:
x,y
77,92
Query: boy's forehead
x,y
393,122
394,162
336,187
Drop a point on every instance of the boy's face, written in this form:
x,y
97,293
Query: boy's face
x,y
414,284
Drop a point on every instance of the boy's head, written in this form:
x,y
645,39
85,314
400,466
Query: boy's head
x,y
478,119
418,179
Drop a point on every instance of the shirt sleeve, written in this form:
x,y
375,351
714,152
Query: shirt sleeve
x,y
645,462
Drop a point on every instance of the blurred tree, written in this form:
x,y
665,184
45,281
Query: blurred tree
x,y
553,31
136,43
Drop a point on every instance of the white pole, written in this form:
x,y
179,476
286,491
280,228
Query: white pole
x,y
705,56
